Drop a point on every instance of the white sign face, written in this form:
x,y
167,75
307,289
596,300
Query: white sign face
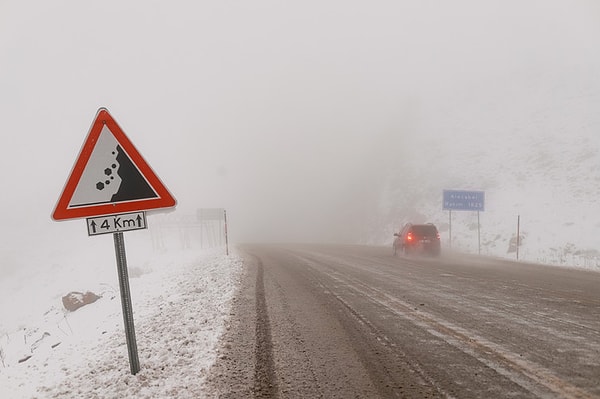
x,y
100,180
110,176
116,223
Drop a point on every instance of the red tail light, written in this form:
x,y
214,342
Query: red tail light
x,y
438,235
409,237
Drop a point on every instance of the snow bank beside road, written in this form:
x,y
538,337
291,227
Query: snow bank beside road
x,y
180,303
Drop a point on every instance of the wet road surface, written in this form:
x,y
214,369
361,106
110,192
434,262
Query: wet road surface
x,y
357,322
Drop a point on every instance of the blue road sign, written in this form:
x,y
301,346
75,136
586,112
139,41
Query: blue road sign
x,y
460,200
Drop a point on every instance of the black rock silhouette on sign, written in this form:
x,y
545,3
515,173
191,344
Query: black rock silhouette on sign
x,y
133,186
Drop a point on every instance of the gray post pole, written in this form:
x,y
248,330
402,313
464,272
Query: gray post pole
x,y
450,228
518,234
134,361
478,233
226,237
221,232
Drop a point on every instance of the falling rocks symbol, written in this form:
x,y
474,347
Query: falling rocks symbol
x,y
133,186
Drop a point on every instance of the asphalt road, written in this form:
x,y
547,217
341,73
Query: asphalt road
x,y
356,322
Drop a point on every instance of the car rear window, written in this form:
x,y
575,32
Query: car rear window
x,y
425,230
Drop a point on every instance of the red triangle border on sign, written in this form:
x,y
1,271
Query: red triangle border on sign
x,y
164,199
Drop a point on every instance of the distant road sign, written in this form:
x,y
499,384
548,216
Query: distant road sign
x,y
205,214
460,200
110,177
116,223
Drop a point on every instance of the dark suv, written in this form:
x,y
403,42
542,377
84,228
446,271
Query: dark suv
x,y
418,239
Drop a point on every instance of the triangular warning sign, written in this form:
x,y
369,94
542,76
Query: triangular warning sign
x,y
110,176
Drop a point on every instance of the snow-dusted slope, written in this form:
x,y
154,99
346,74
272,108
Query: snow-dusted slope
x,y
180,299
535,153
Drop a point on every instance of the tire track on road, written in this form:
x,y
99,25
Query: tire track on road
x,y
265,385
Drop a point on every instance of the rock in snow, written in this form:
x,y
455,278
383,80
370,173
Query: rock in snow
x,y
74,300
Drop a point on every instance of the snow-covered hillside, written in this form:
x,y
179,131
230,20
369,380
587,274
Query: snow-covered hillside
x,y
180,297
537,156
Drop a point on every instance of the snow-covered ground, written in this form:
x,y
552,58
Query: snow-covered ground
x,y
538,162
364,126
180,299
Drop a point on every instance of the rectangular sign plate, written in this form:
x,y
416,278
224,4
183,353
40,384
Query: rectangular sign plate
x,y
205,214
116,223
461,200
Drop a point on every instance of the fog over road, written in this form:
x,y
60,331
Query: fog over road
x,y
356,322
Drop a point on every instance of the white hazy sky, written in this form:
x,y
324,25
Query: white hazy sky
x,y
267,108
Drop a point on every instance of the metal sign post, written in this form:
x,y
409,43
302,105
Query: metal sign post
x,y
518,234
226,237
478,234
134,361
450,229
112,185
